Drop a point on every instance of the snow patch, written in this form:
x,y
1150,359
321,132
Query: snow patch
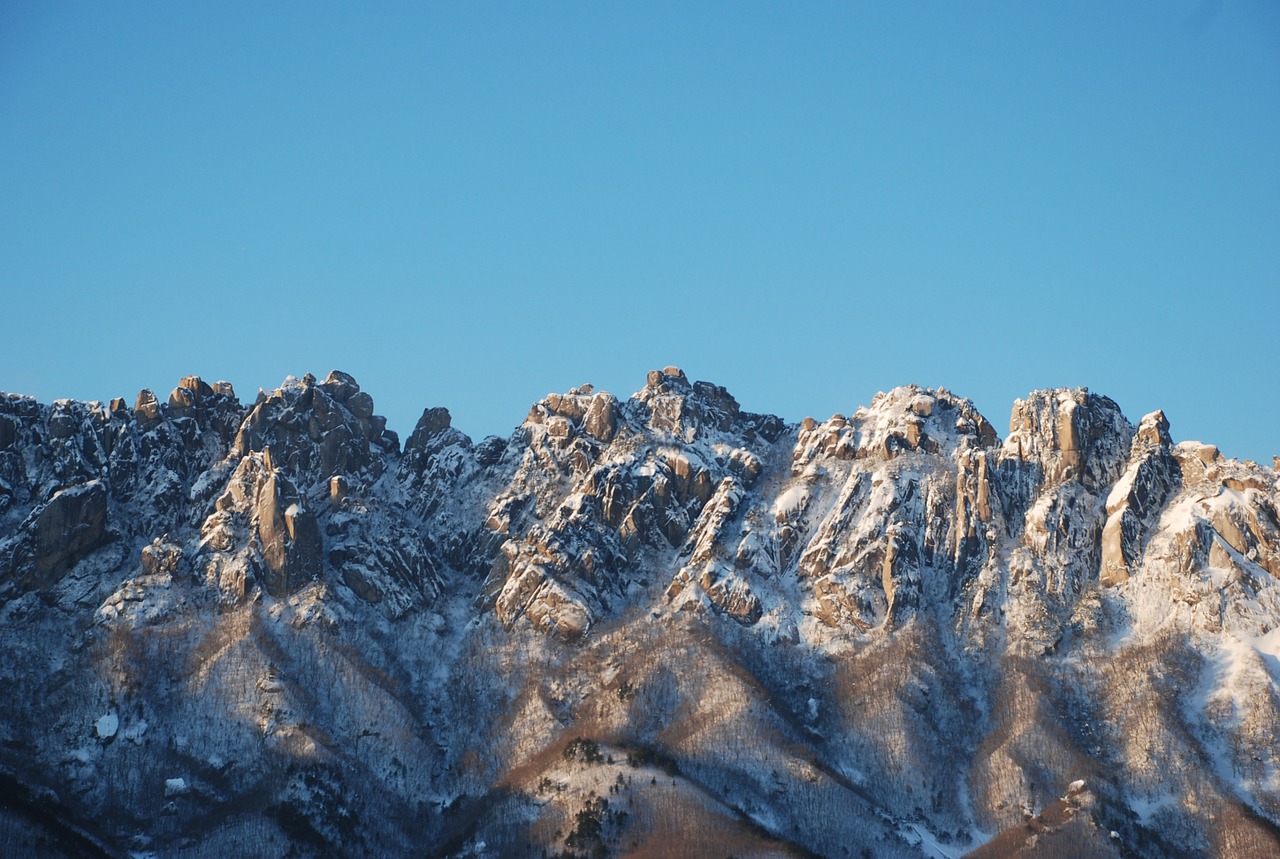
x,y
107,725
791,502
1268,647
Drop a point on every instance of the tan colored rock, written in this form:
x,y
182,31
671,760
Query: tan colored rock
x,y
338,490
914,434
1229,528
1115,569
1154,430
601,419
181,401
1133,506
570,407
161,557
200,390
1066,441
218,531
147,409
922,406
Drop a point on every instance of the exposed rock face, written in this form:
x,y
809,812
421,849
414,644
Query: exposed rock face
x,y
313,430
602,485
1153,474
70,525
147,410
283,533
257,629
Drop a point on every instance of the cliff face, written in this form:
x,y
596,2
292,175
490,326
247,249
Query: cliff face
x,y
655,626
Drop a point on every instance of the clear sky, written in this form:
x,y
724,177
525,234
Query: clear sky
x,y
474,204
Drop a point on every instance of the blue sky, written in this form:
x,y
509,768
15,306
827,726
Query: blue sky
x,y
475,204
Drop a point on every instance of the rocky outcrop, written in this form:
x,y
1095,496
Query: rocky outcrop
x,y
287,532
317,430
887,504
602,485
1063,435
1137,497
66,528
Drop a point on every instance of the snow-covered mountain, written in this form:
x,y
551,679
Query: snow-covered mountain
x,y
659,626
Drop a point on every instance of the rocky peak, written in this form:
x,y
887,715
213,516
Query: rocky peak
x,y
581,410
906,419
1136,499
602,483
261,530
1069,434
685,411
436,451
318,430
1153,431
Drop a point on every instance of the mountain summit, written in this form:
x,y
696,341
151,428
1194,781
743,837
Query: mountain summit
x,y
658,626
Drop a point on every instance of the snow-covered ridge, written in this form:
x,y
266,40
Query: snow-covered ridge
x,y
893,611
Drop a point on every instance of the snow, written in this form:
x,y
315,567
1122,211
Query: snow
x,y
1147,807
1119,494
107,725
1268,647
791,502
918,835
136,730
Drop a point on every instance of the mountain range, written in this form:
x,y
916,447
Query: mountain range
x,y
658,626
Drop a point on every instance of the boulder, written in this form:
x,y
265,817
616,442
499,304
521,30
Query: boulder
x,y
339,385
1154,430
361,404
161,557
668,379
107,725
338,489
200,390
566,405
181,401
147,410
